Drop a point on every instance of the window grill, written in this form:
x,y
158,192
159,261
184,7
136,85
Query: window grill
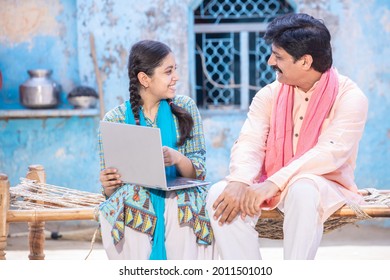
x,y
218,11
231,54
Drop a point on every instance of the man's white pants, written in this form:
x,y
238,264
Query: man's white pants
x,y
303,227
180,241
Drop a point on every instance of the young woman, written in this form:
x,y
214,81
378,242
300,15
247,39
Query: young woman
x,y
142,223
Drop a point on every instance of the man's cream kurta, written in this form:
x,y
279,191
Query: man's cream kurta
x,y
330,163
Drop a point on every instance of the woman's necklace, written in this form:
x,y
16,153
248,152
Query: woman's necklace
x,y
148,118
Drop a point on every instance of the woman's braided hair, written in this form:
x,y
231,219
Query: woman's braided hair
x,y
145,56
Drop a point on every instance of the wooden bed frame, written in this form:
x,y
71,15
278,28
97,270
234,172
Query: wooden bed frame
x,y
36,218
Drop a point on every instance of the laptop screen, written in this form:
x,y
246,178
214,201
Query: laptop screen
x,y
136,151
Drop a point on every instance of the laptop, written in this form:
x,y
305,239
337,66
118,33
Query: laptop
x,y
136,152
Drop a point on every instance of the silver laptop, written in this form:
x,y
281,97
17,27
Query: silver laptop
x,y
136,151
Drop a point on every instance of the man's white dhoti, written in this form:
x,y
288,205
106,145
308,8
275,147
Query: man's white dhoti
x,y
308,202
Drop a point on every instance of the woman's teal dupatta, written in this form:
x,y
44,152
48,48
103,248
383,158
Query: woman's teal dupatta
x,y
167,127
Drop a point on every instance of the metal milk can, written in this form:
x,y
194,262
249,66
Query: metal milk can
x,y
39,91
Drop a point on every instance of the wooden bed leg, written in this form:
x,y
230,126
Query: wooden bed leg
x,y
36,237
4,207
36,240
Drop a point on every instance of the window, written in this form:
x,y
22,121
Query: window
x,y
231,54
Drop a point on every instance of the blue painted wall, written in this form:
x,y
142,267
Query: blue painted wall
x,y
37,35
43,34
361,51
67,146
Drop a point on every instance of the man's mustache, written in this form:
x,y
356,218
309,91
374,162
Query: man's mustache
x,y
276,69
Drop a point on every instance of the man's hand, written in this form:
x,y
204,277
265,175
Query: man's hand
x,y
254,196
227,204
110,181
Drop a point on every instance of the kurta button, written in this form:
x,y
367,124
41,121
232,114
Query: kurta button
x,y
296,134
301,118
306,99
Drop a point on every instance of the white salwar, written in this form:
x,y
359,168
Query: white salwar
x,y
180,241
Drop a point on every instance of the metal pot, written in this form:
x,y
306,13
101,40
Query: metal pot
x,y
83,97
39,91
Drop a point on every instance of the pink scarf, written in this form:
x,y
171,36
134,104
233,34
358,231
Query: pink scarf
x,y
279,149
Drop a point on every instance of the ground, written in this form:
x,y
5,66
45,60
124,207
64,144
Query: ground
x,y
361,241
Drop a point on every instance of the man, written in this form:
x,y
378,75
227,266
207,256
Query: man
x,y
297,148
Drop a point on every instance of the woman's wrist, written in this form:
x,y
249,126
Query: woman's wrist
x,y
179,158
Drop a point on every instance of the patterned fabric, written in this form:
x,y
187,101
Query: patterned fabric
x,y
130,205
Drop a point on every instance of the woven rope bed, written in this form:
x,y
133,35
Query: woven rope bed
x,y
34,201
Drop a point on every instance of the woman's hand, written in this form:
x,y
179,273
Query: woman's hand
x,y
171,156
110,181
183,164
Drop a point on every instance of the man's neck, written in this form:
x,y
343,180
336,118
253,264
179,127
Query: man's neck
x,y
309,81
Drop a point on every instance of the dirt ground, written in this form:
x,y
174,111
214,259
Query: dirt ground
x,y
58,235
367,240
